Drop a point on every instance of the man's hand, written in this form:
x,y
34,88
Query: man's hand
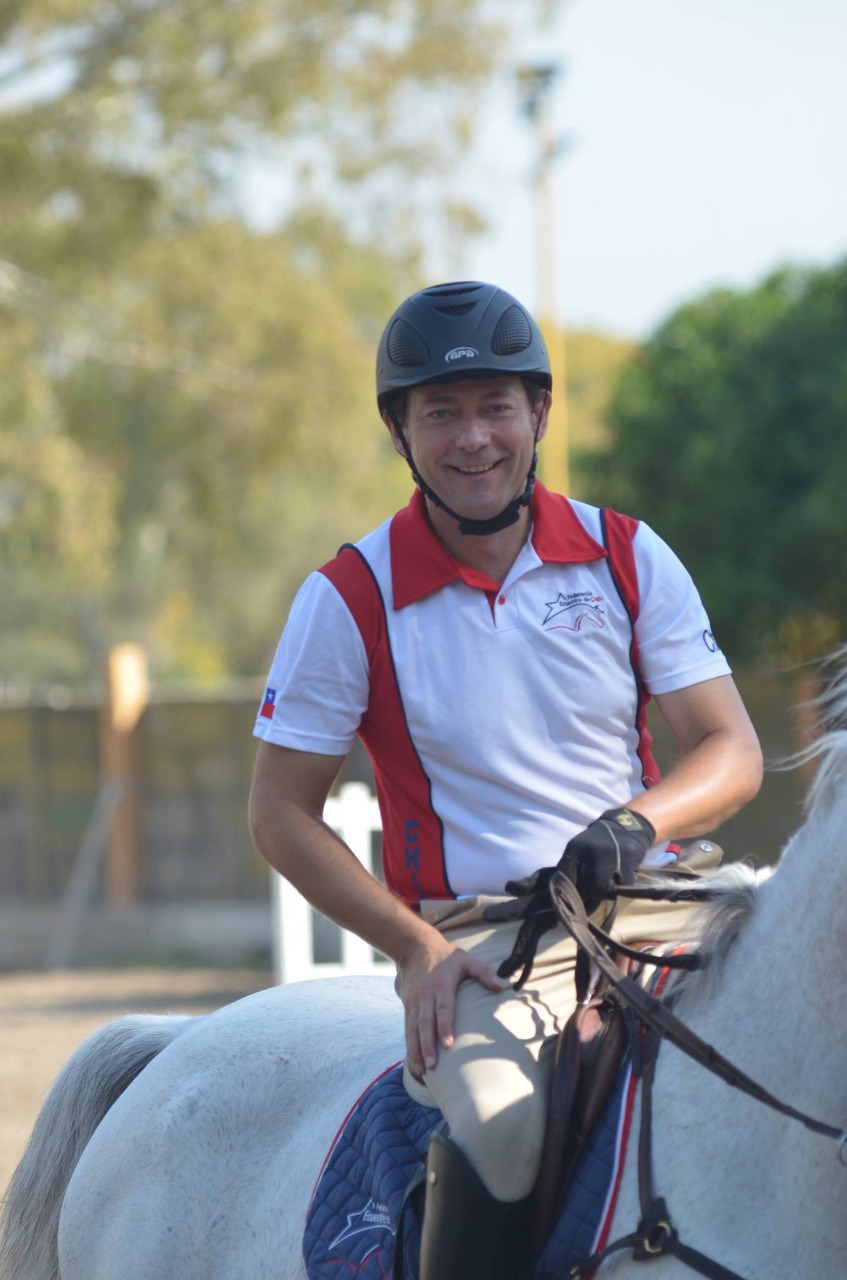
x,y
607,854
429,980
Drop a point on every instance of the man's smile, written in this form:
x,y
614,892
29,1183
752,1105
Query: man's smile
x,y
474,471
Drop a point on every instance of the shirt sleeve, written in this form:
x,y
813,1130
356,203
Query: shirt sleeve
x,y
676,645
318,685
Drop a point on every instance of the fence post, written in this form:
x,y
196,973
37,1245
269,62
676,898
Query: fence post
x,y
126,696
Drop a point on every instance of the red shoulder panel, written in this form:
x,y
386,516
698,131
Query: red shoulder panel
x,y
413,835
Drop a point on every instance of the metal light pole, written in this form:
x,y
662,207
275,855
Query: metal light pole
x,y
535,83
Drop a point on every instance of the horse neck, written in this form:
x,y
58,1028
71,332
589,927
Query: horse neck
x,y
802,910
779,989
808,887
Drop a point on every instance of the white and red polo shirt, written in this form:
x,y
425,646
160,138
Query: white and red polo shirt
x,y
503,718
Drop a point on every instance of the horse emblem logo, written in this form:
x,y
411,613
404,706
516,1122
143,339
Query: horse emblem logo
x,y
373,1218
569,612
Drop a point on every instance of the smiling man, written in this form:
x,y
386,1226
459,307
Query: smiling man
x,y
471,445
494,646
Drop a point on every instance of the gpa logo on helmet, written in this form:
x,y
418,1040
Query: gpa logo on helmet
x,y
461,353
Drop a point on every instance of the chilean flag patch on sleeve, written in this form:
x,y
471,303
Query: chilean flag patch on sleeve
x,y
268,705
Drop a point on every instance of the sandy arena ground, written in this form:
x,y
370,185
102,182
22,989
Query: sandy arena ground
x,y
44,1017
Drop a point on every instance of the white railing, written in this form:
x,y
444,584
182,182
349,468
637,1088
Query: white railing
x,y
301,938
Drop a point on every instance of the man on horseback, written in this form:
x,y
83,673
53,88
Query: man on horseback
x,y
494,646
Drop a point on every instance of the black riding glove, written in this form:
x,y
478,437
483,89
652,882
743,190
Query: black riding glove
x,y
606,854
531,902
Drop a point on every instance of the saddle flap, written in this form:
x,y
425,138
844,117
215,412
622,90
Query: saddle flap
x,y
604,1039
586,1062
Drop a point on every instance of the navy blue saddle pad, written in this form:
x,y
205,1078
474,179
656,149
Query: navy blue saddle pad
x,y
352,1218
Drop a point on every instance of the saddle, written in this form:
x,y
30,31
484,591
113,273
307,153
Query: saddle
x,y
366,1208
367,1204
586,1063
587,1059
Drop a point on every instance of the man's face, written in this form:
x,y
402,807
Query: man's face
x,y
472,441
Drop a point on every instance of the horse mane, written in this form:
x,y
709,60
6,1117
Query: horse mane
x,y
829,748
715,925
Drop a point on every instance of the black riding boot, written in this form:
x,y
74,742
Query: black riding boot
x,y
467,1234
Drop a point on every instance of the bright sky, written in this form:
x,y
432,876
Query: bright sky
x,y
708,147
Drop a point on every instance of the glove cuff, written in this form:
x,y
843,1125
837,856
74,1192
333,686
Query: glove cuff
x,y
634,824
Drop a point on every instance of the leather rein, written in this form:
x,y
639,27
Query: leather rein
x,y
650,1021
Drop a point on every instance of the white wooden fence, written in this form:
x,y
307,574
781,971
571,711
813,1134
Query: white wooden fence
x,y
303,941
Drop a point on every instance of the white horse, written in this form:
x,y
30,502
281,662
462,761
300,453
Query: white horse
x,y
179,1148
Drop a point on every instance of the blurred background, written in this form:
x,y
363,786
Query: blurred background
x,y
207,213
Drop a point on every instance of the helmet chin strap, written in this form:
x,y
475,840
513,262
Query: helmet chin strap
x,y
476,528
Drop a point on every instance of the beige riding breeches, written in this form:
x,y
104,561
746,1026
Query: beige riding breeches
x,y
492,1083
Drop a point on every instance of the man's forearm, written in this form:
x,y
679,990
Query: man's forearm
x,y
309,854
700,792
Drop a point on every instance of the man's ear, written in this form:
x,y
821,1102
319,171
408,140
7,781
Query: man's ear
x,y
541,413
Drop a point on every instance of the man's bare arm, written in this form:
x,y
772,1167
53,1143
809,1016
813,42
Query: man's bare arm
x,y
287,798
720,763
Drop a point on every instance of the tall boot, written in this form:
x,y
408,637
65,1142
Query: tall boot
x,y
467,1234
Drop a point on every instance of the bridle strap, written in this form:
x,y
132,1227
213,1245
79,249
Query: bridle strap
x,y
655,1234
691,890
656,1015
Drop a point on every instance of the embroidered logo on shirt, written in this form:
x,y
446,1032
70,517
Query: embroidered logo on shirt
x,y
268,705
568,613
710,642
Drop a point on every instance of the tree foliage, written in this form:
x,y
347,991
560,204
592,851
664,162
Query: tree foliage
x,y
186,402
728,437
594,364
138,114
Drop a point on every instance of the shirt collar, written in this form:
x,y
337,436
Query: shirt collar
x,y
420,565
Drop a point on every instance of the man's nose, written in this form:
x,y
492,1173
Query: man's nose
x,y
474,432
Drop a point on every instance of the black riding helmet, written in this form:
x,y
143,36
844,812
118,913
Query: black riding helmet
x,y
454,331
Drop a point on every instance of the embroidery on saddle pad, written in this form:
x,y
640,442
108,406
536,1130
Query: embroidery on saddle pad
x,y
352,1218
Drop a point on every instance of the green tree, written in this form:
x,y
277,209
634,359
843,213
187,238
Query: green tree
x,y
594,364
52,495
728,437
187,402
128,116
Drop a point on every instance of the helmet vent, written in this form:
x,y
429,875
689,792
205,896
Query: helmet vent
x,y
460,310
512,334
406,346
452,290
